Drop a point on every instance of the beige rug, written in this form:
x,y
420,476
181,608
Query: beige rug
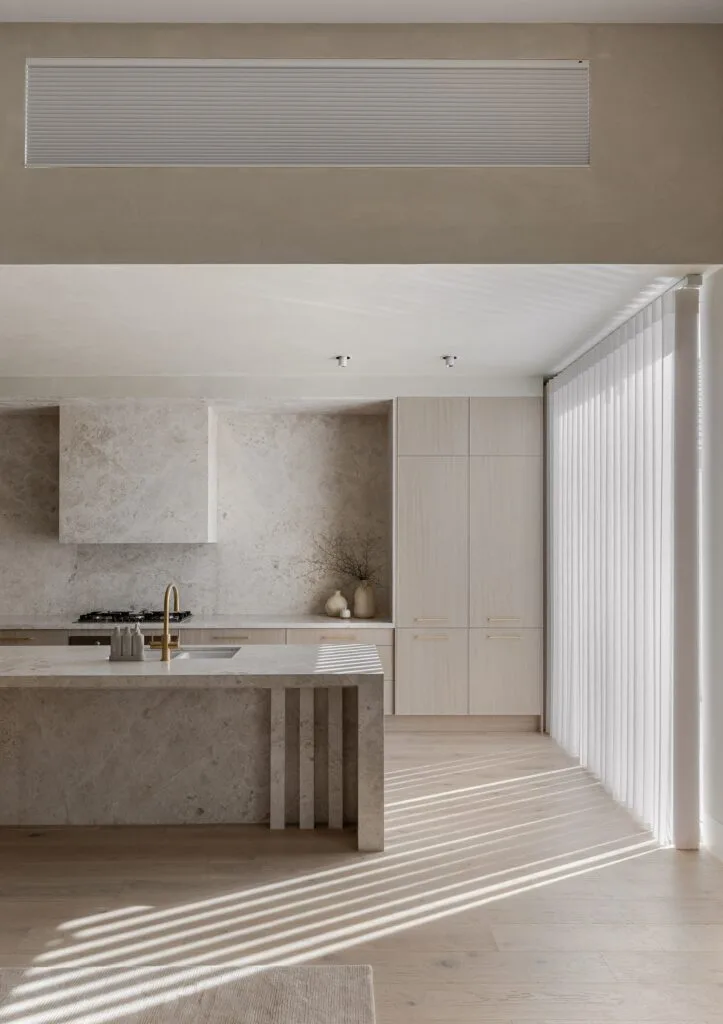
x,y
275,995
280,995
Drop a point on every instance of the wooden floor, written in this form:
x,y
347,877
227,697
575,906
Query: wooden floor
x,y
512,890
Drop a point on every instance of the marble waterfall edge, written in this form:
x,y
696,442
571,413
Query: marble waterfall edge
x,y
189,741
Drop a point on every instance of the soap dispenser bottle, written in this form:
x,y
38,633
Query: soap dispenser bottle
x,y
115,644
138,644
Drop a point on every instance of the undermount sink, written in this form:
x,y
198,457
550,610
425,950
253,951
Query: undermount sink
x,y
204,653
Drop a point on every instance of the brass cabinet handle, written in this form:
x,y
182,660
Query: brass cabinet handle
x,y
503,618
504,636
243,636
347,637
16,639
438,619
431,636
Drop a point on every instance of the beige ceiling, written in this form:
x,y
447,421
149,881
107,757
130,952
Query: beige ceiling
x,y
291,320
370,11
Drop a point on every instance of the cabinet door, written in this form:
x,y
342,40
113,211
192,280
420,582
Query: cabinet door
x,y
433,426
33,638
505,426
432,541
505,671
506,530
431,672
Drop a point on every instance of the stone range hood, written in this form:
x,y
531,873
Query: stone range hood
x,y
137,472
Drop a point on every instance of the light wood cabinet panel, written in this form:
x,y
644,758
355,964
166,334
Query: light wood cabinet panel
x,y
33,637
505,671
341,635
505,426
506,537
386,656
432,541
433,426
233,636
431,672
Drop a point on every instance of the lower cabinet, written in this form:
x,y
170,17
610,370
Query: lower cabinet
x,y
431,672
505,671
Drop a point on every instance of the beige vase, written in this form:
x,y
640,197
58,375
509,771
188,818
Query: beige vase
x,y
364,604
336,604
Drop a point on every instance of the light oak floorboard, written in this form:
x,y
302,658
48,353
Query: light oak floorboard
x,y
512,890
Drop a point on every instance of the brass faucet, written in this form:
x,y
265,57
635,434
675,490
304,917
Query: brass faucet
x,y
167,641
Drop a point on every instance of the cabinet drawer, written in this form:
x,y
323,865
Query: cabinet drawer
x,y
233,636
341,635
505,671
431,672
33,637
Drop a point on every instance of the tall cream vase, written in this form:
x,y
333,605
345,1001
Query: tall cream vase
x,y
364,604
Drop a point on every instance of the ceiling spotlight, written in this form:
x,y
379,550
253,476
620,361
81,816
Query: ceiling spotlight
x,y
450,361
342,360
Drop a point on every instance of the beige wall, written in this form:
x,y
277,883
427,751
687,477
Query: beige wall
x,y
654,192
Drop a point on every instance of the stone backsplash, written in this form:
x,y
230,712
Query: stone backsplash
x,y
282,480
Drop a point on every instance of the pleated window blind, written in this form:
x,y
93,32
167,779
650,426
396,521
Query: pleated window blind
x,y
306,113
610,551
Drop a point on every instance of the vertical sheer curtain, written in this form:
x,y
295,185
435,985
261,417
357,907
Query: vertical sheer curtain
x,y
610,537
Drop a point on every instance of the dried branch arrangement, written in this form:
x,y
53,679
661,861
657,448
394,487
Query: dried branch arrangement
x,y
352,556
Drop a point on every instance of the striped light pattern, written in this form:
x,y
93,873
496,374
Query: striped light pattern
x,y
306,113
610,515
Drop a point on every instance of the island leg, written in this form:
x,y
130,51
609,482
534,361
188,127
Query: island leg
x,y
277,788
306,757
335,754
370,753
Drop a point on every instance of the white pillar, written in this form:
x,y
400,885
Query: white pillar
x,y
712,562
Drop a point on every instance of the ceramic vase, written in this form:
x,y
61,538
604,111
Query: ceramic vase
x,y
364,606
336,604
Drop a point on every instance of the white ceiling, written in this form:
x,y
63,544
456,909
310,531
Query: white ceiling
x,y
350,11
291,320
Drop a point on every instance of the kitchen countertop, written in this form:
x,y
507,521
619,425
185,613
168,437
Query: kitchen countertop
x,y
262,667
201,622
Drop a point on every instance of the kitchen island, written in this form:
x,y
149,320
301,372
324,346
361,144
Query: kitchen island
x,y
277,734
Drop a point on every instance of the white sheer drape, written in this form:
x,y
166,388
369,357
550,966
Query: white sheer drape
x,y
610,550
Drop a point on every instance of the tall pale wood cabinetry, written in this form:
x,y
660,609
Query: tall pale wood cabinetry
x,y
469,529
505,544
433,540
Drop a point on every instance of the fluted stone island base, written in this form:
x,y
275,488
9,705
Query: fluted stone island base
x,y
285,735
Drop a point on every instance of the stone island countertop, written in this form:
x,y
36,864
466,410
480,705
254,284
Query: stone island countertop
x,y
265,666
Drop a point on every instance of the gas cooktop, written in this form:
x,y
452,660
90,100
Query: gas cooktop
x,y
127,616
